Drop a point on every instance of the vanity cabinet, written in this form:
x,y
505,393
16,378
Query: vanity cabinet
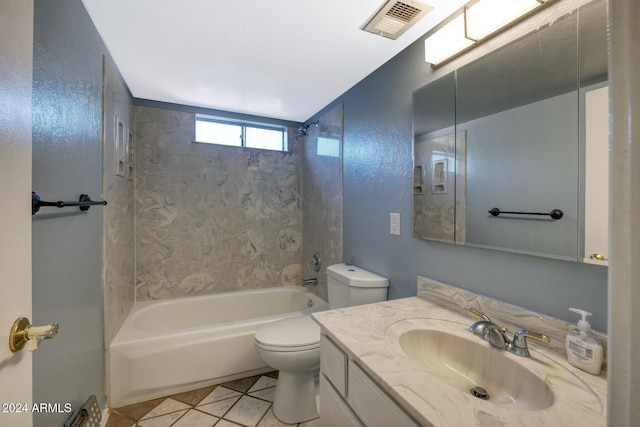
x,y
349,397
334,411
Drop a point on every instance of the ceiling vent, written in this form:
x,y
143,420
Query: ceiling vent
x,y
396,17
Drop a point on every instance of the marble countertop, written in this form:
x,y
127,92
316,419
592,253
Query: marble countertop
x,y
370,336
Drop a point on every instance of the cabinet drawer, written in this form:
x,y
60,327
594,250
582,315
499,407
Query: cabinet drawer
x,y
334,411
333,364
371,404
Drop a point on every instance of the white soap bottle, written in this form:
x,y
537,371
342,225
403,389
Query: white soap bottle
x,y
584,349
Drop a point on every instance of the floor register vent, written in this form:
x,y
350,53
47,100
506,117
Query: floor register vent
x,y
396,17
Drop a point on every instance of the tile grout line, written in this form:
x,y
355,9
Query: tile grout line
x,y
244,393
222,417
184,399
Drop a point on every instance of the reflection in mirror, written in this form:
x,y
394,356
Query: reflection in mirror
x,y
434,154
518,119
594,148
596,172
519,107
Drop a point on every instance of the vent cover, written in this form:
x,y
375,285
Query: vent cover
x,y
396,17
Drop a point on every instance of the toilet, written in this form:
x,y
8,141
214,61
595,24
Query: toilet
x,y
292,346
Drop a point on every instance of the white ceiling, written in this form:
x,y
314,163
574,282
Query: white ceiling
x,y
284,59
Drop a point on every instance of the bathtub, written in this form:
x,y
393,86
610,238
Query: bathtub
x,y
166,347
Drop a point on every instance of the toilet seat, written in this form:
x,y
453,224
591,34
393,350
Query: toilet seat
x,y
294,334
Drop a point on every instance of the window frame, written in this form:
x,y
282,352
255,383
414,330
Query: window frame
x,y
243,131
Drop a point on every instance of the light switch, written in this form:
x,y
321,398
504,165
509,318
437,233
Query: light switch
x,y
394,224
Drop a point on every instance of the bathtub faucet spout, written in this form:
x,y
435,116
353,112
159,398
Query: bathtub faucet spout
x,y
312,282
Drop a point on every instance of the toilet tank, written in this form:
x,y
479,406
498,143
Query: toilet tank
x,y
349,285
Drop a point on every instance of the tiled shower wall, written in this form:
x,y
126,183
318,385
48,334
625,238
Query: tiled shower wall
x,y
212,218
118,221
323,199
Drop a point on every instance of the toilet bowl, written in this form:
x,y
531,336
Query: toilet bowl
x,y
292,346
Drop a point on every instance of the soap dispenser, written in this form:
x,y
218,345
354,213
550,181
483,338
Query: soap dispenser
x,y
584,349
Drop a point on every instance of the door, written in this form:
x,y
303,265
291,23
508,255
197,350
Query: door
x,y
596,197
16,58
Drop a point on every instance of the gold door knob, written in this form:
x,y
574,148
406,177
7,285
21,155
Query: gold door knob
x,y
23,333
598,257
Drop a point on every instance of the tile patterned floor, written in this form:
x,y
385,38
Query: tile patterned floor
x,y
244,402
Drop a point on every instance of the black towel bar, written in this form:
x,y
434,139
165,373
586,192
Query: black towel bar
x,y
554,214
84,203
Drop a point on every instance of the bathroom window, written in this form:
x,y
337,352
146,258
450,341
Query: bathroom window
x,y
328,147
210,130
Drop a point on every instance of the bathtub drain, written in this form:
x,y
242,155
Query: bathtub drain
x,y
310,303
480,393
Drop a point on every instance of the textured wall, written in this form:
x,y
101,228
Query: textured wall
x,y
67,243
378,172
119,250
212,218
322,232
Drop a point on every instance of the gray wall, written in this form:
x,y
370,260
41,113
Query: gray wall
x,y
378,180
67,244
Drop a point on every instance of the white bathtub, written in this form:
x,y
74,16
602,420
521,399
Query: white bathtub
x,y
170,346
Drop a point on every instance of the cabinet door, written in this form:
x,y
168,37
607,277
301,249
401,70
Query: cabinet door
x,y
372,405
334,412
333,364
596,184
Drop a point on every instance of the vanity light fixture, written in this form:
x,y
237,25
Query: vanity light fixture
x,y
446,41
475,23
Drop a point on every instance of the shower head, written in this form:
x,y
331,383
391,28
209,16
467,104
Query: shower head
x,y
304,130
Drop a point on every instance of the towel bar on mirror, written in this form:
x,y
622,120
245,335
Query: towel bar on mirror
x,y
554,214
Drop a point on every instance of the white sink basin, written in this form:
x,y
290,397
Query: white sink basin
x,y
471,366
424,357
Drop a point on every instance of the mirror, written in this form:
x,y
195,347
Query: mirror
x,y
434,151
506,134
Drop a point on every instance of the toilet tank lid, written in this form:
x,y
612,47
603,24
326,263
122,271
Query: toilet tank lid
x,y
356,276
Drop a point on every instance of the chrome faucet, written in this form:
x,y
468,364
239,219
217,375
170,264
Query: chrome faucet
x,y
519,343
307,282
497,337
492,333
